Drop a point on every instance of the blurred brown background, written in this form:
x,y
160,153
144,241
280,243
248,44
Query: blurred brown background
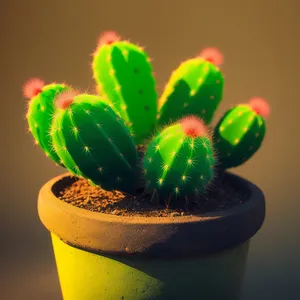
x,y
53,40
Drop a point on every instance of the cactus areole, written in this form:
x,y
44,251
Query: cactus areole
x,y
147,175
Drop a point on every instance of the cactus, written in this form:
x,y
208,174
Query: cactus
x,y
93,142
240,132
123,73
196,88
106,138
40,112
179,160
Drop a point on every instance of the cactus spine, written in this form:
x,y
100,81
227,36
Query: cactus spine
x,y
93,142
196,87
240,133
179,161
124,75
40,113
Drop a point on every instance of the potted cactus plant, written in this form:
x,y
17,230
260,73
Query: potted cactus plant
x,y
147,209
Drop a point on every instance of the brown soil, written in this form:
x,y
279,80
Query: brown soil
x,y
223,194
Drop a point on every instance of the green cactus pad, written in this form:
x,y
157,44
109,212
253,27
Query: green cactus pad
x,y
196,87
238,136
124,75
177,164
39,117
94,143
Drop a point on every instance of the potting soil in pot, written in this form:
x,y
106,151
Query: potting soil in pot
x,y
222,194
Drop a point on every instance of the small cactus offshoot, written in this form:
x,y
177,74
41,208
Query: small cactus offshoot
x,y
240,132
196,87
40,112
106,138
124,75
179,161
93,142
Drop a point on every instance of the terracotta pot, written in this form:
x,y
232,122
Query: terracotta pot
x,y
101,256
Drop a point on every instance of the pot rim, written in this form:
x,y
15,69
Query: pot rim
x,y
121,235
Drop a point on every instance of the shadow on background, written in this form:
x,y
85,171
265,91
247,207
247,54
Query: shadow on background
x,y
53,40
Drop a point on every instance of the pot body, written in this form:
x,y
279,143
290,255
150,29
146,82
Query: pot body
x,y
108,257
88,276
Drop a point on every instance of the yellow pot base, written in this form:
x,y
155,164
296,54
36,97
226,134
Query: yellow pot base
x,y
88,276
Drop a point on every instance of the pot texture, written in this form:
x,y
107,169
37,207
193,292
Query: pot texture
x,y
101,256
